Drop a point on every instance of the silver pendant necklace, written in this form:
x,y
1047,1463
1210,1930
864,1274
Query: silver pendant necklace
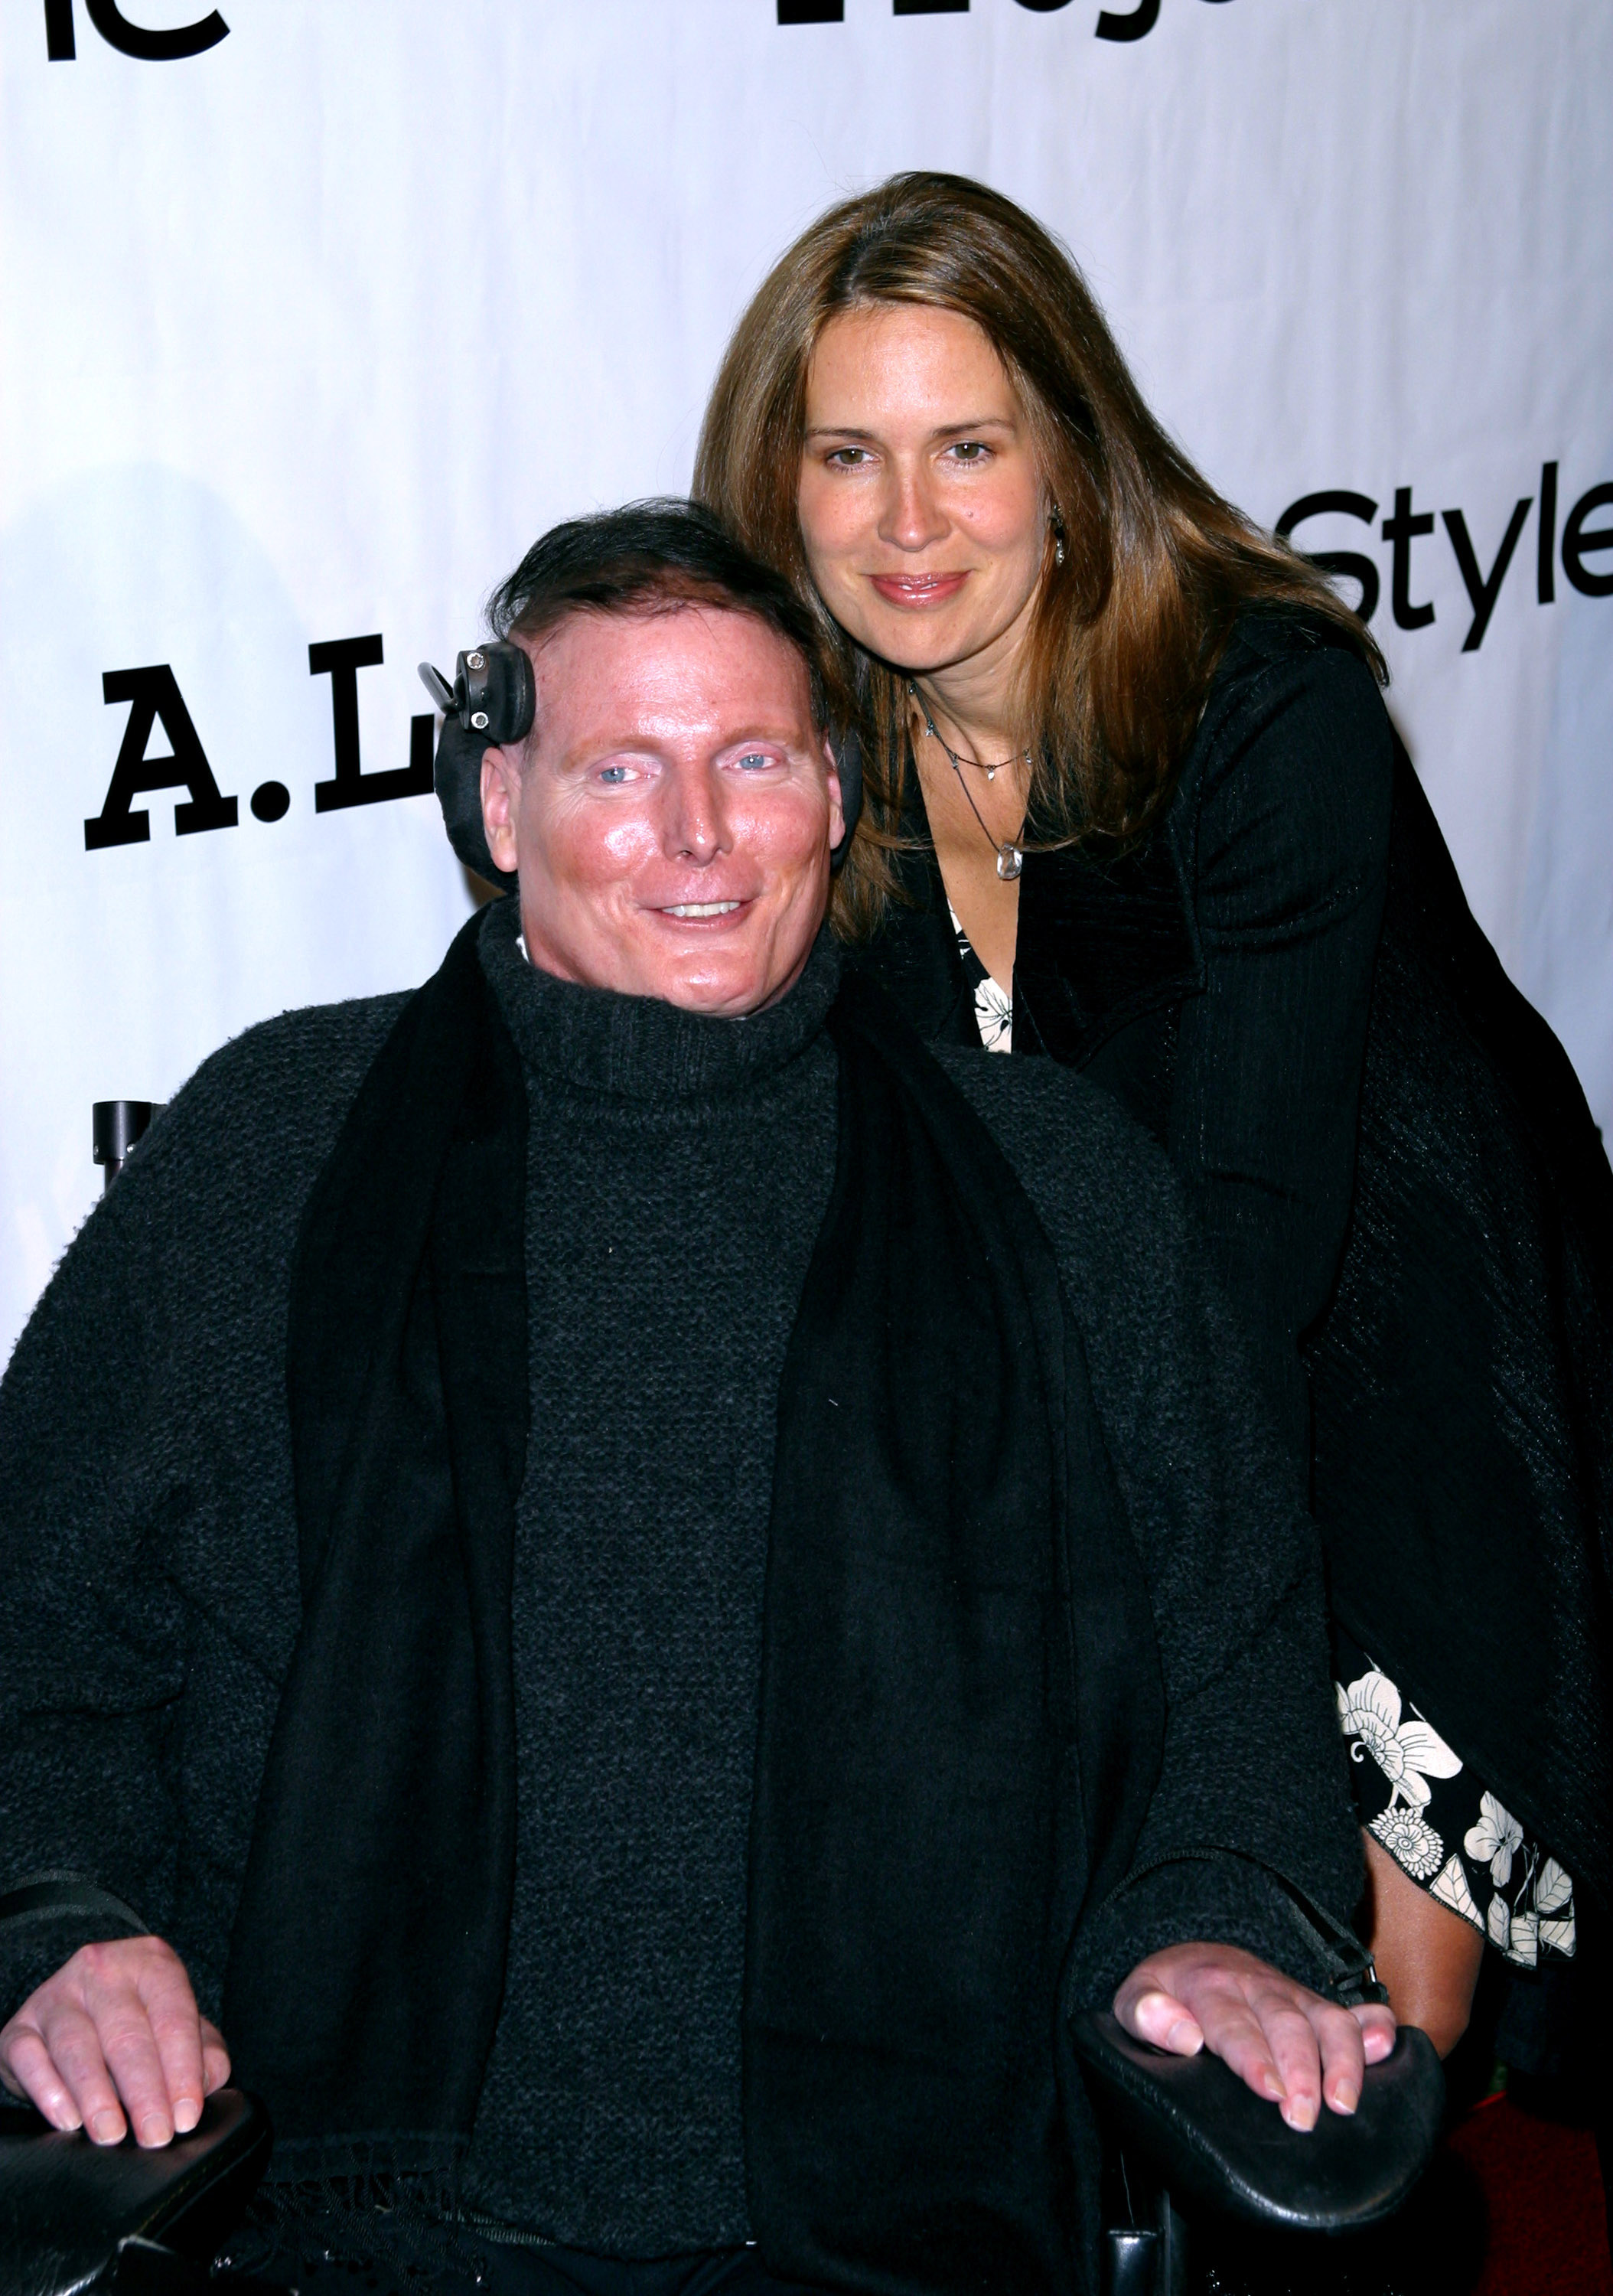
x,y
1011,858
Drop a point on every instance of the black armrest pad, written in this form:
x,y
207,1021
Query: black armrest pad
x,y
66,2203
1211,2139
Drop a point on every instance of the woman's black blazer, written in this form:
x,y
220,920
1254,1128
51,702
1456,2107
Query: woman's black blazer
x,y
1396,1176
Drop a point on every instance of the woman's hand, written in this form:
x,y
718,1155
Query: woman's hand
x,y
1286,2042
116,2031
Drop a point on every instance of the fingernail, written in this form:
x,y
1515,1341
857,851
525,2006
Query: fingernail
x,y
1347,2097
1273,2086
1301,2114
106,2128
1184,2035
187,2113
156,2128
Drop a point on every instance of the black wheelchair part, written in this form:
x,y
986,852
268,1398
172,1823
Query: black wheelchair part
x,y
492,700
76,2216
1192,2140
1216,2142
117,1128
493,692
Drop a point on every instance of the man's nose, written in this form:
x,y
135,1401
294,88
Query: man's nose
x,y
695,825
911,519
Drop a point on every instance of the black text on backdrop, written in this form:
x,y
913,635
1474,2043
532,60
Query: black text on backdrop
x,y
154,699
167,46
1580,543
1132,23
130,39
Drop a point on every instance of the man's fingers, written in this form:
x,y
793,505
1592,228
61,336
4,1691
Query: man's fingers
x,y
114,2040
1296,2052
150,2030
215,2059
1158,2017
134,2062
176,2030
1378,2029
1282,2040
75,2049
1343,2057
31,2072
1233,2033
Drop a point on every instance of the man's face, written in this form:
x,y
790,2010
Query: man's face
x,y
674,810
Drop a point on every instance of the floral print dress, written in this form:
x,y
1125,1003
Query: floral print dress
x,y
1441,1824
994,1006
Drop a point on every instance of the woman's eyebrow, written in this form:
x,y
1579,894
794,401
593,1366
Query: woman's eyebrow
x,y
942,430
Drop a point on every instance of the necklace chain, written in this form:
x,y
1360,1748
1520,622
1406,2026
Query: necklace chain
x,y
1011,857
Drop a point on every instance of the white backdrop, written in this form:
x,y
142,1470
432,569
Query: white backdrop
x,y
310,333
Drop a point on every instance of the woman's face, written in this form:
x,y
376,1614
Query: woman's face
x,y
922,506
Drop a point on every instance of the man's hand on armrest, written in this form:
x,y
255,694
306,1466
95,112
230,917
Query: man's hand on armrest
x,y
1286,2042
116,2030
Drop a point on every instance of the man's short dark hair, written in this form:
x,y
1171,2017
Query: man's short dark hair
x,y
650,557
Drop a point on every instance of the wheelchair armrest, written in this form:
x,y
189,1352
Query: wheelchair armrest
x,y
66,2205
1210,2139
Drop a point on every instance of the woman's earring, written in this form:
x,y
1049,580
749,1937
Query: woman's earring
x,y
1057,524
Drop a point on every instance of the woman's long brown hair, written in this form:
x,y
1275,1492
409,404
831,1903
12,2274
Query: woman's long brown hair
x,y
1127,631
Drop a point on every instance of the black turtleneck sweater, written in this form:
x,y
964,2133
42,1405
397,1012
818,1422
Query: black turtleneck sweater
x,y
678,1173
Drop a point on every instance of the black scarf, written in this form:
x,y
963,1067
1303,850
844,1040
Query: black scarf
x,y
366,1963
942,1774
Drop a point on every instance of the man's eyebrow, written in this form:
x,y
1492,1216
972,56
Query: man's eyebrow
x,y
645,741
943,430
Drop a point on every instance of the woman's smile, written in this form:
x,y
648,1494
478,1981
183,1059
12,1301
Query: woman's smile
x,y
917,590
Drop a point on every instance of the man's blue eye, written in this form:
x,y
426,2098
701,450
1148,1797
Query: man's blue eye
x,y
613,774
756,758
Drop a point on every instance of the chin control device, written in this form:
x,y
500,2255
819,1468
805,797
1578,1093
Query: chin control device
x,y
492,700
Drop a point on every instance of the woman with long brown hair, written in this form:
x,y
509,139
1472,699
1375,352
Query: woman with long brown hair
x,y
1131,799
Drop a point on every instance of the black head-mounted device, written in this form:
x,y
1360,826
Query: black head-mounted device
x,y
492,700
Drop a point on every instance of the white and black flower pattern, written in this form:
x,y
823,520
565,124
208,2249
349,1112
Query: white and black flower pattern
x,y
1494,1840
1411,1842
994,1006
1452,1890
1420,1800
1554,1905
1408,1753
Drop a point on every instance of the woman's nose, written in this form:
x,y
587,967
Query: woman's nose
x,y
912,519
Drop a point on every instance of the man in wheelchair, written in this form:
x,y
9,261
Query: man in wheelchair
x,y
648,1582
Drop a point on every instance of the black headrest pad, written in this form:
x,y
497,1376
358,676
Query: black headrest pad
x,y
458,779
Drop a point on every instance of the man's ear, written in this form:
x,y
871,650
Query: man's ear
x,y
837,802
500,801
